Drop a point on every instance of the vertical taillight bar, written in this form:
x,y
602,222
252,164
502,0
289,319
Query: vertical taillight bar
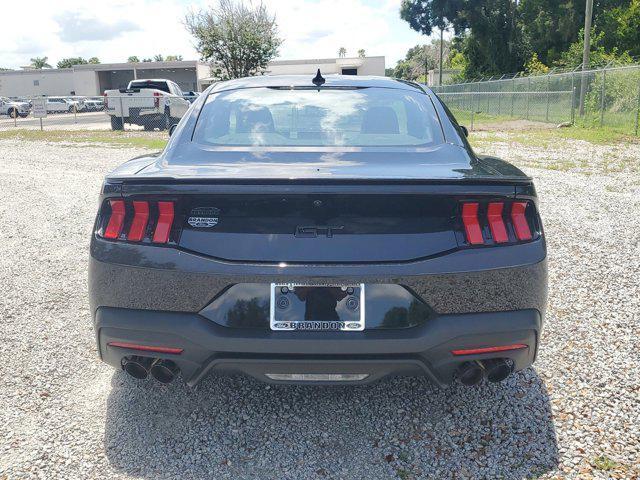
x,y
165,220
496,223
139,223
519,220
116,220
471,224
156,99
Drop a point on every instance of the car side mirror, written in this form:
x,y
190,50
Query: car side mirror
x,y
464,130
172,128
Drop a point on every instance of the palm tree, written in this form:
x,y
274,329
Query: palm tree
x,y
40,62
361,53
342,52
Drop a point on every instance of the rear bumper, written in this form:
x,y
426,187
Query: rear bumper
x,y
424,350
160,296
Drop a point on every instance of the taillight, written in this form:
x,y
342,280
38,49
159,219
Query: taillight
x,y
139,223
471,223
156,99
520,224
116,220
496,222
165,220
141,220
106,101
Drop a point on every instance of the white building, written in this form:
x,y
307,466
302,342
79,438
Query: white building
x,y
191,75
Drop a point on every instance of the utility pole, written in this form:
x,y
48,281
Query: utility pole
x,y
426,64
441,50
585,53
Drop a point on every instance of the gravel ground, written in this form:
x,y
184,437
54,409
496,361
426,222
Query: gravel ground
x,y
576,414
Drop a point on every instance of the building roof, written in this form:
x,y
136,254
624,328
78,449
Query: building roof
x,y
139,65
305,81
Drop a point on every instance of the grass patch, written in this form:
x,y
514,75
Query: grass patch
x,y
604,463
150,140
550,137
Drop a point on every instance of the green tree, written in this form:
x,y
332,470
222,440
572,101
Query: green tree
x,y
342,52
420,59
238,39
71,61
133,59
40,62
551,26
491,36
535,67
174,58
94,61
362,53
158,58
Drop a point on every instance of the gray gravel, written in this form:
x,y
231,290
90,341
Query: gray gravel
x,y
65,415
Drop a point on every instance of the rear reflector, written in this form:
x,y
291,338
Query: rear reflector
x,y
146,348
496,223
139,223
477,351
471,224
520,224
116,221
165,220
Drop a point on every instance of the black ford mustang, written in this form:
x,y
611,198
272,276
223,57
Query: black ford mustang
x,y
303,229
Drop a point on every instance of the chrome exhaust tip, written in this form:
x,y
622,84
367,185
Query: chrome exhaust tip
x,y
470,373
497,369
164,371
137,367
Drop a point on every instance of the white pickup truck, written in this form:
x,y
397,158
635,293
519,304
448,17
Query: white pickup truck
x,y
153,103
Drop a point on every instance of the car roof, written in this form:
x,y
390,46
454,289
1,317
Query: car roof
x,y
336,81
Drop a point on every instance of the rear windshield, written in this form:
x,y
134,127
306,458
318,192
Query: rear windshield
x,y
150,84
311,117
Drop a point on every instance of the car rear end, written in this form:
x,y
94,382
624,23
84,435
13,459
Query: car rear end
x,y
297,276
139,104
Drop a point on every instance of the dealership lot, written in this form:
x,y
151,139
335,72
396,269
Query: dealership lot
x,y
576,414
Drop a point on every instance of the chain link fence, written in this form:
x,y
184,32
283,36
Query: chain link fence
x,y
135,111
607,97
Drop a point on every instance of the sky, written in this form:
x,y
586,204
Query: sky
x,y
113,30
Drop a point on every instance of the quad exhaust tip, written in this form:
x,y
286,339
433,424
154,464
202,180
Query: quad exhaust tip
x,y
137,367
470,373
495,369
164,371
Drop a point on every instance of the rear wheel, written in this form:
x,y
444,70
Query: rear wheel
x,y
13,113
116,123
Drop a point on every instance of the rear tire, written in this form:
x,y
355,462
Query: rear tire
x,y
116,123
13,113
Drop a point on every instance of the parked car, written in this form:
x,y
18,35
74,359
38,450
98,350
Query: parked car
x,y
303,230
93,104
76,104
13,108
58,105
153,103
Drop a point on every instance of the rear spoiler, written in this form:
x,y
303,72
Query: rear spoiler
x,y
129,90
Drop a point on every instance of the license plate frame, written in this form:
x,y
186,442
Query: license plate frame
x,y
352,319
